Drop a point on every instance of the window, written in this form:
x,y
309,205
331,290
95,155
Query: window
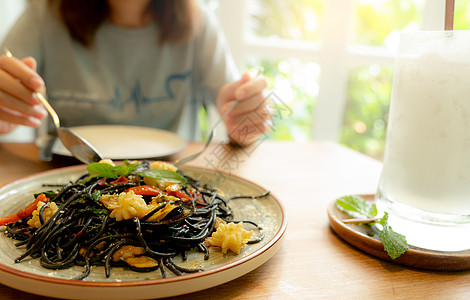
x,y
330,61
9,12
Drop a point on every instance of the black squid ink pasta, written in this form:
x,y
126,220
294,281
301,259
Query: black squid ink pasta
x,y
138,215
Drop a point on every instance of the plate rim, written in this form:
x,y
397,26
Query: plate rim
x,y
275,240
184,142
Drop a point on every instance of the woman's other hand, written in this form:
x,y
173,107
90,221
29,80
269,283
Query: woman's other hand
x,y
250,118
18,102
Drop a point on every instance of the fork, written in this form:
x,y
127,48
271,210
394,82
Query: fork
x,y
193,156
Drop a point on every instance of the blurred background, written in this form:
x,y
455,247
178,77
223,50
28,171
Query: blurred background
x,y
329,63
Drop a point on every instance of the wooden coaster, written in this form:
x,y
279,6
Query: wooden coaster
x,y
366,239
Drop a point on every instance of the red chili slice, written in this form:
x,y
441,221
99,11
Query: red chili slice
x,y
120,180
179,194
24,212
145,190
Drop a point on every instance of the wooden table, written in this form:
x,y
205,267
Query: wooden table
x,y
313,261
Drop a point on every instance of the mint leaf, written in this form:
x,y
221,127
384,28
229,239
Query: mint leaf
x,y
358,205
163,175
108,171
100,170
394,243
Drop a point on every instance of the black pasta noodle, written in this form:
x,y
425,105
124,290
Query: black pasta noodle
x,y
82,233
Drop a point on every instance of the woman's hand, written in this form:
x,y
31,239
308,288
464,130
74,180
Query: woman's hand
x,y
250,118
18,102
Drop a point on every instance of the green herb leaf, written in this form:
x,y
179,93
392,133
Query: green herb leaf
x,y
98,211
394,243
358,205
108,171
49,194
96,195
163,175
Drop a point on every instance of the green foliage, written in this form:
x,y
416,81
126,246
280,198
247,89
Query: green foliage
x,y
108,171
366,114
357,204
287,19
462,15
203,121
394,243
378,19
369,88
294,85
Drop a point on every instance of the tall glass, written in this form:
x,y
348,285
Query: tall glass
x,y
425,181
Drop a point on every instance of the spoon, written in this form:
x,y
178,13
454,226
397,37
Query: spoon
x,y
78,146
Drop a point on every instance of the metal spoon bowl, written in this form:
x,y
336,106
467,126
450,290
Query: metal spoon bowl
x,y
80,148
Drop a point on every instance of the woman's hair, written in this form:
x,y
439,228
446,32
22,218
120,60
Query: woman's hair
x,y
177,19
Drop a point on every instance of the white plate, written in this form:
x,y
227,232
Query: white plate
x,y
124,142
29,276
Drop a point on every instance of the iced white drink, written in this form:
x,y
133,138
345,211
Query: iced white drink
x,y
427,157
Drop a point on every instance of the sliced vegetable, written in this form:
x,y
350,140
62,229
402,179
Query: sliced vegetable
x,y
24,212
180,194
120,180
145,190
9,219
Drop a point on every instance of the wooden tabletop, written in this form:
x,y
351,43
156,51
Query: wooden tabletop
x,y
313,262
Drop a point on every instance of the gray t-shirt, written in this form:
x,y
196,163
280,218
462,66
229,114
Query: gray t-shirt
x,y
125,78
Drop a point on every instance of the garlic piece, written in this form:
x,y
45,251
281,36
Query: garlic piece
x,y
48,213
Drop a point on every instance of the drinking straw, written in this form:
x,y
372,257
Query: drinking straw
x,y
449,20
